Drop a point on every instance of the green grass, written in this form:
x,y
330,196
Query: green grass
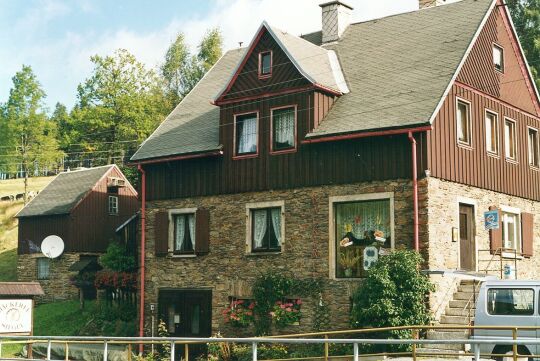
x,y
8,265
62,318
13,186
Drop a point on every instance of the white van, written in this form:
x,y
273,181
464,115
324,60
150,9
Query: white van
x,y
508,303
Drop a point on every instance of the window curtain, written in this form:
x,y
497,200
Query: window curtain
x,y
359,217
191,224
284,127
259,227
180,232
276,223
247,140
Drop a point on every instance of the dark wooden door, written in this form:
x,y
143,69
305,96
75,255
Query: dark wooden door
x,y
467,245
187,313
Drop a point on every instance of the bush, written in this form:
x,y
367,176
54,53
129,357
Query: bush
x,y
243,352
393,294
116,258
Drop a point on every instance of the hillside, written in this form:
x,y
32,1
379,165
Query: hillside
x,y
8,224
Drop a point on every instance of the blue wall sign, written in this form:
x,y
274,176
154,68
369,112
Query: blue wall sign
x,y
491,219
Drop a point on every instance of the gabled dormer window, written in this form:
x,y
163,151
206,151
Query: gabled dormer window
x,y
498,57
265,64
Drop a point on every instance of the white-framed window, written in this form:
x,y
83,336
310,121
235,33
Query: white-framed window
x,y
361,230
113,205
463,117
265,226
492,132
265,64
182,235
534,155
43,268
246,134
283,129
510,146
511,228
498,57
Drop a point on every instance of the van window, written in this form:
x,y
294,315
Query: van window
x,y
510,301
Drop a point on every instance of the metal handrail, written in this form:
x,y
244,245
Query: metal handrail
x,y
292,339
499,252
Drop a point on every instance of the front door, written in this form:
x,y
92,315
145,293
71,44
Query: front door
x,y
467,247
187,313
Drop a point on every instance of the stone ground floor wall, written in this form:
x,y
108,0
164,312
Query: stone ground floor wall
x,y
228,270
58,286
443,199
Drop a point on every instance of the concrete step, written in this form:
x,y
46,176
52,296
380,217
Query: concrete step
x,y
446,346
454,320
468,288
461,304
447,334
457,311
433,352
464,296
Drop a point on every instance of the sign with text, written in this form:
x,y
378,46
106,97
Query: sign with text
x,y
491,220
15,316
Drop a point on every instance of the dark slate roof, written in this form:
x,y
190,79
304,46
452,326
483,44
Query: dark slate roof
x,y
397,69
20,289
64,192
193,126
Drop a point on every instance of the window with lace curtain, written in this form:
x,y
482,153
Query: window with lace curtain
x,y
283,129
264,226
245,130
184,233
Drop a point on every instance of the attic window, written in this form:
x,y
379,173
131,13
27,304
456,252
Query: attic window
x,y
265,64
498,57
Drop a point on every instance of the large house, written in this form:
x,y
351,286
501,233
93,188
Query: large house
x,y
84,208
396,132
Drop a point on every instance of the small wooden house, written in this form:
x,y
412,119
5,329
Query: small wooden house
x,y
84,208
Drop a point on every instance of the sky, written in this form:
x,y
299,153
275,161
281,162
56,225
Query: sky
x,y
57,37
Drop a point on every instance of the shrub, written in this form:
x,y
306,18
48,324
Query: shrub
x,y
116,258
393,294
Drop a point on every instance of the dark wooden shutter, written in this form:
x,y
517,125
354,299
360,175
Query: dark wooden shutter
x,y
495,235
527,234
161,233
202,231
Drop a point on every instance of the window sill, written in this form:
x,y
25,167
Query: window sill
x,y
284,151
509,255
511,161
245,156
493,155
172,255
347,279
534,168
465,146
270,253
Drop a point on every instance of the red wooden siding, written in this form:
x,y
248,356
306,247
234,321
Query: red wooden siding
x,y
89,227
479,72
473,166
340,162
284,73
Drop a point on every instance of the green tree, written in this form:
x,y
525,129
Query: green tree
x,y
526,17
118,106
393,294
28,138
181,70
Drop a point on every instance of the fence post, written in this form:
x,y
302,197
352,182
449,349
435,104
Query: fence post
x,y
514,346
186,351
173,351
67,351
254,351
49,350
355,351
476,348
105,350
129,351
326,348
415,337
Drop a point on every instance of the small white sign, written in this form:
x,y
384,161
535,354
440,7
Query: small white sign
x,y
15,316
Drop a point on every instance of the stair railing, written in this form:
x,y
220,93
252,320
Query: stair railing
x,y
500,254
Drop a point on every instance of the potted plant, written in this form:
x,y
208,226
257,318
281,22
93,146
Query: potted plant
x,y
348,260
286,313
239,313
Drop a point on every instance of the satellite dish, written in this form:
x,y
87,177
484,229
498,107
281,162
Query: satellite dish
x,y
52,246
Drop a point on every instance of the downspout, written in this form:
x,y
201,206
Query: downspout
x,y
143,245
415,191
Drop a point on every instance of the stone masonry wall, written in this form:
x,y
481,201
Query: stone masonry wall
x,y
305,249
58,286
443,198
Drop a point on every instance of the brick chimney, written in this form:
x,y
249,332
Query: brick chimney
x,y
336,16
422,4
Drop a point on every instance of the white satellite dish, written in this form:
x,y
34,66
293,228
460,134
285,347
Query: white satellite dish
x,y
52,246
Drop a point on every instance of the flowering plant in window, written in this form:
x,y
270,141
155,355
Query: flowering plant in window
x,y
239,313
286,313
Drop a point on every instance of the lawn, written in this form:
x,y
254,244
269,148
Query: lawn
x,y
13,186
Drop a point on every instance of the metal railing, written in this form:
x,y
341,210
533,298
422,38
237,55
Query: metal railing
x,y
513,342
500,254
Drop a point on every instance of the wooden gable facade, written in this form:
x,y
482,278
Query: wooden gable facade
x,y
509,94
